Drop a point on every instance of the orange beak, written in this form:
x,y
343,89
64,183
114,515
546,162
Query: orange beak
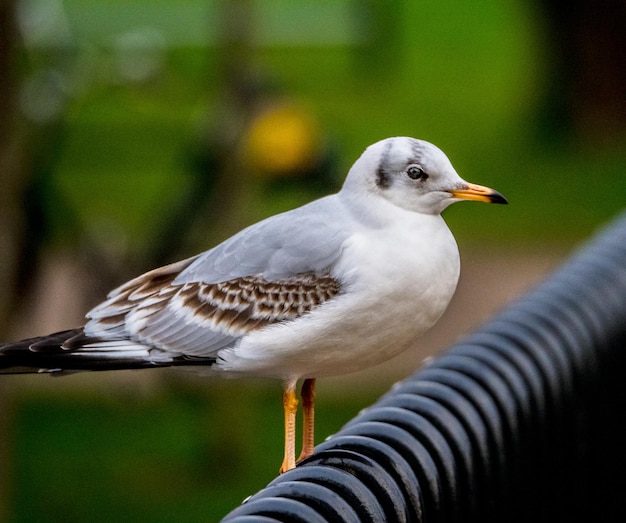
x,y
478,193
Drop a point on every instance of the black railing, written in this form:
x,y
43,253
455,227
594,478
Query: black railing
x,y
522,421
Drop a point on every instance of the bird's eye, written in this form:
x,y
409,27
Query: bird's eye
x,y
416,173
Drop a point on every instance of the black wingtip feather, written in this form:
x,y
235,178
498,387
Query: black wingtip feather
x,y
59,354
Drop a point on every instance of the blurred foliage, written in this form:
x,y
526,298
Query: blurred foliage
x,y
467,78
129,106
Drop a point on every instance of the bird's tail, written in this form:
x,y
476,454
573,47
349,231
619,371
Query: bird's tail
x,y
73,351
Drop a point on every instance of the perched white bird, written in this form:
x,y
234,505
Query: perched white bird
x,y
335,286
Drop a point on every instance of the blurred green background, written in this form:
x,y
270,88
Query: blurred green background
x,y
133,133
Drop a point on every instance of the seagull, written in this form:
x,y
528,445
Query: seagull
x,y
335,286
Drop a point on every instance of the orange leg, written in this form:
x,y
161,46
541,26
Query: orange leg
x,y
308,407
290,406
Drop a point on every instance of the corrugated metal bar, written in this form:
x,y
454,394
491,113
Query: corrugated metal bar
x,y
522,421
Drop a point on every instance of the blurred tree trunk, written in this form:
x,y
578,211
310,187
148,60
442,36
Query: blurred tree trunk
x,y
13,176
213,208
587,90
13,179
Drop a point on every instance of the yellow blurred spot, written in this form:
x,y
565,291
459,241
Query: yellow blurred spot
x,y
282,141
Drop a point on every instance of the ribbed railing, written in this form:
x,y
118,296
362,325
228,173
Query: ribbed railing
x,y
522,421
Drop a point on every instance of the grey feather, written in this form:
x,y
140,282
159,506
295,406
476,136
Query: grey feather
x,y
307,239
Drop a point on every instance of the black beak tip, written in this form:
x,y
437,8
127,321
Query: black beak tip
x,y
496,197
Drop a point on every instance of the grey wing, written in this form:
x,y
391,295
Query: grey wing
x,y
273,271
306,239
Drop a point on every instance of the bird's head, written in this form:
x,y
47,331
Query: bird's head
x,y
414,175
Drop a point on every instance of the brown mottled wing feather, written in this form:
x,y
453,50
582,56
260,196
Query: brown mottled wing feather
x,y
249,302
197,318
108,320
